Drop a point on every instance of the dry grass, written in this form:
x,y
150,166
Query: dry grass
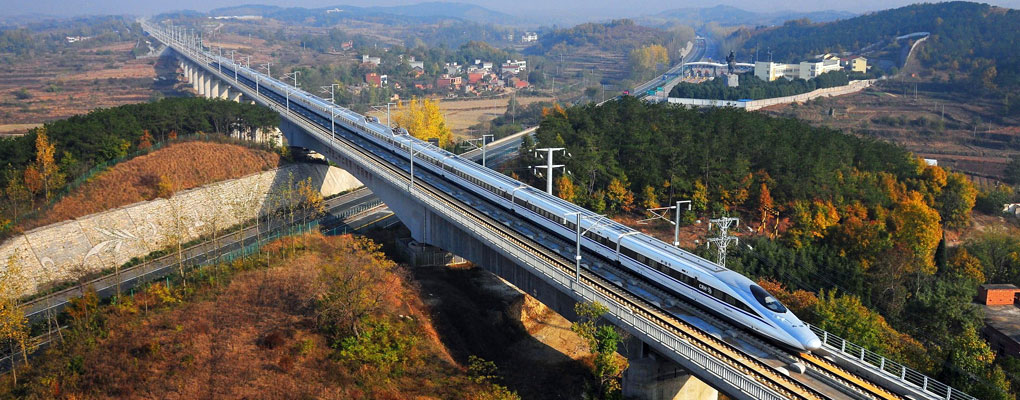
x,y
254,338
185,165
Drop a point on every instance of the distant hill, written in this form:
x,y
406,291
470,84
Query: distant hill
x,y
730,16
615,36
968,40
420,13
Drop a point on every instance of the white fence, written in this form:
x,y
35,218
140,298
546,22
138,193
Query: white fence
x,y
751,105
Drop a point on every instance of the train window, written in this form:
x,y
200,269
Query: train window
x,y
767,300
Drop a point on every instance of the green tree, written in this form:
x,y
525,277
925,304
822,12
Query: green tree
x,y
602,341
956,200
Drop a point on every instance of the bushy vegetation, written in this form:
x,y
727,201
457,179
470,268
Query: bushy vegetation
x,y
275,325
751,87
856,221
974,39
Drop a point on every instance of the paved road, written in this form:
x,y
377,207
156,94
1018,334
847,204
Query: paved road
x,y
498,151
697,52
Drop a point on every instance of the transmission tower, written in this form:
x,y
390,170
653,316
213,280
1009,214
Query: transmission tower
x,y
724,240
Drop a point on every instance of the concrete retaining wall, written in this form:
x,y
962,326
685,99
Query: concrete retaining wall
x,y
68,249
752,105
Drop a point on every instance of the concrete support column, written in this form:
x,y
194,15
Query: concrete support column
x,y
236,96
214,91
226,92
654,377
207,85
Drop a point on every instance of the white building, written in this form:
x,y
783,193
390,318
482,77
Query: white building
x,y
529,37
365,59
770,71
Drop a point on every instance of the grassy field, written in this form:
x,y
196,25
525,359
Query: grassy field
x,y
461,115
53,86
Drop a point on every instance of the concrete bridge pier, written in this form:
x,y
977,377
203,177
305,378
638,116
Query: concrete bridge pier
x,y
654,377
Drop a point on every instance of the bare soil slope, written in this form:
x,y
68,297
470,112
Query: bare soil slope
x,y
181,166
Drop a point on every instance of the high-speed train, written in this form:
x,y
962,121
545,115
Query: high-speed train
x,y
724,293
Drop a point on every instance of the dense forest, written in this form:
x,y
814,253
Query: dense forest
x,y
37,166
966,38
852,223
751,87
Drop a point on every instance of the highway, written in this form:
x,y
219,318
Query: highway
x,y
701,47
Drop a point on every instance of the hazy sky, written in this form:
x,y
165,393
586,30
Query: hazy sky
x,y
592,8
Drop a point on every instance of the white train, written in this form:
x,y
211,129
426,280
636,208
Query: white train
x,y
722,292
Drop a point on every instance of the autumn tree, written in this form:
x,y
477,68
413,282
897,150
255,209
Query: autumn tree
x,y
966,266
956,200
765,204
145,142
565,188
49,174
916,229
699,199
16,192
33,182
649,199
618,197
355,283
423,119
311,200
647,59
13,324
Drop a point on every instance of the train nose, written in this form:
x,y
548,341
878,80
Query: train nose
x,y
812,343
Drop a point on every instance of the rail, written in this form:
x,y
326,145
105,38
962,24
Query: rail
x,y
889,368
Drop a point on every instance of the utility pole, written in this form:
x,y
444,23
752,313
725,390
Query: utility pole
x,y
724,239
660,213
233,65
485,140
549,166
577,255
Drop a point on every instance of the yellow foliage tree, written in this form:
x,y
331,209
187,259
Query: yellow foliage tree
x,y
649,199
699,199
647,58
565,188
619,197
916,229
49,174
965,265
423,119
13,324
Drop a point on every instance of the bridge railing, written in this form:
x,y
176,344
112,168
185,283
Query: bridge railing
x,y
889,368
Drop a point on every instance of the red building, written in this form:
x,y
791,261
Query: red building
x,y
997,294
373,79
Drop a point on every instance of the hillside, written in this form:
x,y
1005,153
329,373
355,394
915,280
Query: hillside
x,y
328,317
858,221
179,166
967,39
729,16
428,12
